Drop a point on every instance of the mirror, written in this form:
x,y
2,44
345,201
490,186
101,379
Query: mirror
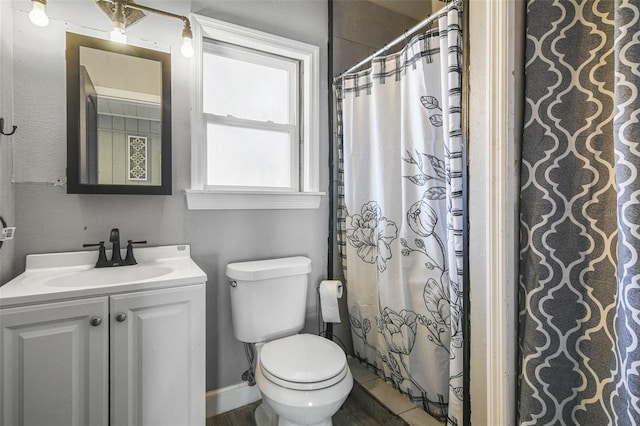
x,y
118,118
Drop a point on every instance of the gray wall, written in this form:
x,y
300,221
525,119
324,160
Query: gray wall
x,y
6,142
50,220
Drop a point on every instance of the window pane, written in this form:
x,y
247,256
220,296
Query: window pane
x,y
239,156
245,89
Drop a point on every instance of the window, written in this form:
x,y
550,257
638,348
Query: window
x,y
250,106
255,120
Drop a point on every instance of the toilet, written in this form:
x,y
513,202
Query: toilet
x,y
303,378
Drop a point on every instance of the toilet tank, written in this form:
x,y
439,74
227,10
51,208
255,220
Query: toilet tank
x,y
268,297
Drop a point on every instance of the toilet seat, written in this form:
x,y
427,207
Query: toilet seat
x,y
304,386
303,362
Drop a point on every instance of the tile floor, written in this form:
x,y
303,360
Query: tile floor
x,y
372,402
350,414
383,403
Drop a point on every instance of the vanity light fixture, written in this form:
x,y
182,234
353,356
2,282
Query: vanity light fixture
x,y
119,18
122,13
38,15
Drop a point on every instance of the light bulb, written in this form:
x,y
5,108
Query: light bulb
x,y
187,47
118,36
38,16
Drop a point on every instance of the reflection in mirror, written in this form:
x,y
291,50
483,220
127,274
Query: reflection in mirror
x,y
120,142
118,118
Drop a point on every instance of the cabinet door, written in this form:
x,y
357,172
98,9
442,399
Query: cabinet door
x,y
54,364
158,357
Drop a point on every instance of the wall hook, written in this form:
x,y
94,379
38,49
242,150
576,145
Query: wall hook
x,y
2,128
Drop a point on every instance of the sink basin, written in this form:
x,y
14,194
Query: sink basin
x,y
108,276
62,276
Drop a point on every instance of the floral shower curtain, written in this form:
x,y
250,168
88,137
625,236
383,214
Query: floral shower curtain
x,y
400,216
580,215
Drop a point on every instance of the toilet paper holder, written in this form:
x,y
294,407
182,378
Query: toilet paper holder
x,y
330,291
339,286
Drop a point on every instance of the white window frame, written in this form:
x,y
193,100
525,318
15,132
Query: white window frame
x,y
292,130
307,196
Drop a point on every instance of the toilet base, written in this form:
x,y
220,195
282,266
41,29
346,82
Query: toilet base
x,y
284,422
265,416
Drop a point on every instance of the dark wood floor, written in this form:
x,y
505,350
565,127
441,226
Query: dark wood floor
x,y
349,415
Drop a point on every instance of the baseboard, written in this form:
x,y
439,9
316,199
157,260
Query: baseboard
x,y
226,399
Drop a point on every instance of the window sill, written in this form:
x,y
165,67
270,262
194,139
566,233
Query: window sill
x,y
225,200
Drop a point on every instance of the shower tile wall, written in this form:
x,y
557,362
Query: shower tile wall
x,y
362,27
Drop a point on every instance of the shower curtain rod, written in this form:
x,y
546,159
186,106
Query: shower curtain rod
x,y
426,21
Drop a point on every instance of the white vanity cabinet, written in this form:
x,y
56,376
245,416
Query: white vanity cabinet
x,y
158,357
130,354
55,360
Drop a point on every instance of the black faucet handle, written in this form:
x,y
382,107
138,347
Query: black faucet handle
x,y
130,258
100,244
102,254
129,242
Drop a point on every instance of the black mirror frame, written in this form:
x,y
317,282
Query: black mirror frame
x,y
74,42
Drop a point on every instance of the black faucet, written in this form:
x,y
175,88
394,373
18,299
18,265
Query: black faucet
x,y
114,239
116,257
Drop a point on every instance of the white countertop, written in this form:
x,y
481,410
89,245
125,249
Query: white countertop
x,y
62,276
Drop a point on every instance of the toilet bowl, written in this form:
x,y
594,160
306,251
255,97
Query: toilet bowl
x,y
304,379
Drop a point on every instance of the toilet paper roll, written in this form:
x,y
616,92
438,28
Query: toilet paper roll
x,y
330,292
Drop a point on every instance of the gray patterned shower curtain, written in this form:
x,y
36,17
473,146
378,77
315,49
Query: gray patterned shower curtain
x,y
579,288
400,216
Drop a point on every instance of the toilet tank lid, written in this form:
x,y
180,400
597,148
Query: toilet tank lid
x,y
270,268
